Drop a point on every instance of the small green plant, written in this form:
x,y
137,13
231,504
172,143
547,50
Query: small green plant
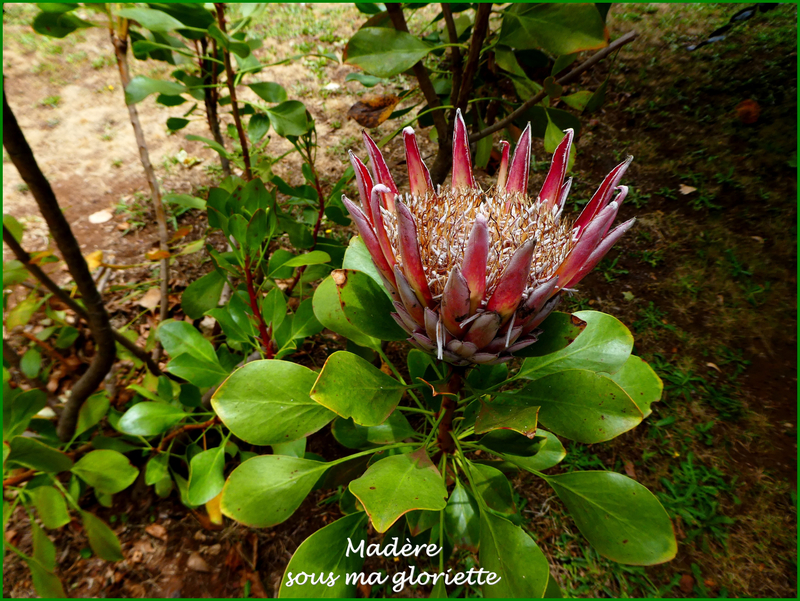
x,y
637,198
653,258
609,269
50,101
652,318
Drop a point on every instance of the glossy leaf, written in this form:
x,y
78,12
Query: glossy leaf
x,y
44,551
324,553
510,553
508,441
150,418
619,517
314,257
140,87
47,584
304,322
269,91
353,436
102,539
296,448
157,469
51,506
108,471
493,487
267,402
91,412
151,19
641,383
559,330
203,294
357,258
290,118
266,490
603,346
549,453
504,413
19,410
178,337
37,455
206,477
385,52
366,305
328,310
399,484
556,28
352,387
462,518
199,372
58,24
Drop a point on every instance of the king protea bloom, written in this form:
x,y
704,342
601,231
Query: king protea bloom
x,y
473,272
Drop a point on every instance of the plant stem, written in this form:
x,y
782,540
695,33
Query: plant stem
x,y
479,32
591,61
186,428
455,53
119,40
99,323
248,175
208,72
62,295
266,339
453,387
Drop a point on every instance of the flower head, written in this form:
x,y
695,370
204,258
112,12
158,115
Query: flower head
x,y
472,272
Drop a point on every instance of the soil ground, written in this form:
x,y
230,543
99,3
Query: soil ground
x,y
706,281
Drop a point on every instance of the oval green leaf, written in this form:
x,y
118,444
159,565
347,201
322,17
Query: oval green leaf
x,y
203,294
37,455
267,402
206,477
353,436
366,305
385,52
51,506
102,539
149,418
641,383
619,517
352,387
108,471
328,311
266,490
557,28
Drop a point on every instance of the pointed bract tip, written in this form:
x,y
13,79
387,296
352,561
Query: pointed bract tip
x,y
408,130
462,176
520,163
380,188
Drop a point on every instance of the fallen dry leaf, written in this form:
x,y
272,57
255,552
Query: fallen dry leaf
x,y
713,366
197,563
371,111
100,217
151,299
214,510
684,189
748,111
630,469
93,260
123,226
156,255
157,531
686,584
181,232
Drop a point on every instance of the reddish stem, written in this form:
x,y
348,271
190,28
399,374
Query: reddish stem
x,y
449,402
266,339
182,429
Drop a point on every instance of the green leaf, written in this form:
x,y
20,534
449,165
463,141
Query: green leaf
x,y
91,412
13,226
328,310
21,314
157,469
269,91
37,455
150,418
604,346
510,553
582,405
641,383
290,118
267,402
578,100
202,295
557,28
549,453
504,413
185,200
18,411
619,517
215,146
368,81
562,62
357,258
199,372
598,98
296,448
108,471
58,25
395,429
206,477
324,553
51,506
508,441
304,323
399,484
385,52
66,336
266,490
273,307
366,305
151,19
351,387
44,551
178,337
462,518
31,363
176,123
258,126
559,330
47,584
102,539
552,138
314,257
140,87
493,487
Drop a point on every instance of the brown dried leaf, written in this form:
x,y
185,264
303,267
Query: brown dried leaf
x,y
629,469
686,584
151,299
373,110
157,531
197,563
180,233
156,255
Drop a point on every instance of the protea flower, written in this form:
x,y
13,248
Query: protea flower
x,y
472,272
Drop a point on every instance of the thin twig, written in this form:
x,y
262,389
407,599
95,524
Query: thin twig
x,y
186,428
591,61
455,53
266,339
479,32
248,175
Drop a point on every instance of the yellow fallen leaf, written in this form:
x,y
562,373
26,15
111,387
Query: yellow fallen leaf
x,y
151,299
93,260
214,510
684,189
